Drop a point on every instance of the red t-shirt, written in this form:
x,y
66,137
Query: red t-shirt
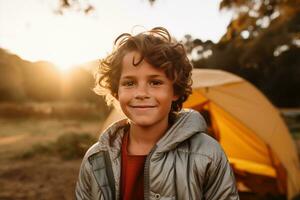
x,y
132,174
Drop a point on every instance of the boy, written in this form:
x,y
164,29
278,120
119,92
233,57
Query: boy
x,y
159,151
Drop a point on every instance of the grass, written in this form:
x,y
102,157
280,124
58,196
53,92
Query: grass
x,y
56,110
28,136
40,156
67,146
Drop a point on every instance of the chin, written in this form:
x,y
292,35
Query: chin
x,y
142,123
139,121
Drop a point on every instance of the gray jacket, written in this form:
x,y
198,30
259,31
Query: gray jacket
x,y
184,164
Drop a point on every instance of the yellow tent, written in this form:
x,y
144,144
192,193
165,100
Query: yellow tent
x,y
250,130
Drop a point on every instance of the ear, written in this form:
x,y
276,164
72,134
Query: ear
x,y
175,97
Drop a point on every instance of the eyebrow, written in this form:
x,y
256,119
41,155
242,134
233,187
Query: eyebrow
x,y
133,77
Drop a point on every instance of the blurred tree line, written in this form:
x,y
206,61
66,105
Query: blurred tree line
x,y
22,81
262,45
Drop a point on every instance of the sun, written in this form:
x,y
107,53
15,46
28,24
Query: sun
x,y
65,65
64,68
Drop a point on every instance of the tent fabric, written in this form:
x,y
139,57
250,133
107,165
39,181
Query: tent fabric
x,y
248,127
252,150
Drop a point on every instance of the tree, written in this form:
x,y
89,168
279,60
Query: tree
x,y
21,80
84,6
261,44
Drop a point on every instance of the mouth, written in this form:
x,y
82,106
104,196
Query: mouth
x,y
142,106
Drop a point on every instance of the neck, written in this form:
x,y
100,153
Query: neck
x,y
143,138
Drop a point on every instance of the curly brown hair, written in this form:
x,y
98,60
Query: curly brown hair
x,y
158,49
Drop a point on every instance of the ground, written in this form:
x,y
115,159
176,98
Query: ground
x,y
40,176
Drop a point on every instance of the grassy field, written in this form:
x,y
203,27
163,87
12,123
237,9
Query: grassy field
x,y
40,156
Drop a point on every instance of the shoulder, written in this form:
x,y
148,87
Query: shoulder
x,y
93,150
109,139
203,145
202,141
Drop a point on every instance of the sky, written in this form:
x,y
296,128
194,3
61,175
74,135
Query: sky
x,y
32,30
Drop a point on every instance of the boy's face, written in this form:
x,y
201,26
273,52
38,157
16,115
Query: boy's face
x,y
145,93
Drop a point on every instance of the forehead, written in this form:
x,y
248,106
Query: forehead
x,y
142,69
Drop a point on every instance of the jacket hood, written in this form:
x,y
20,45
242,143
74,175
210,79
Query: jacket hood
x,y
187,123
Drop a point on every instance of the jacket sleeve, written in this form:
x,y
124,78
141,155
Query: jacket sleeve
x,y
220,182
83,185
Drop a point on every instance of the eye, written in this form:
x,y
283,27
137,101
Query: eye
x,y
127,83
156,82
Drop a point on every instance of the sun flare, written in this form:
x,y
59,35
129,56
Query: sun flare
x,y
64,68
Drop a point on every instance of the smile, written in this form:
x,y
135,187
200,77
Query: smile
x,y
143,106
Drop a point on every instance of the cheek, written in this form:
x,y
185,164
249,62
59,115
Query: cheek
x,y
124,95
166,97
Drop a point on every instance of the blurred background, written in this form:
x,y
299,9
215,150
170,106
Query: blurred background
x,y
49,50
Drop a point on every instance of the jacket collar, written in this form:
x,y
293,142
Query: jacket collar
x,y
187,123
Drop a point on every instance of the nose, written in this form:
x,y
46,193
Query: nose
x,y
141,92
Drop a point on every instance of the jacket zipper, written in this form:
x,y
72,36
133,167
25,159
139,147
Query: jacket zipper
x,y
146,174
